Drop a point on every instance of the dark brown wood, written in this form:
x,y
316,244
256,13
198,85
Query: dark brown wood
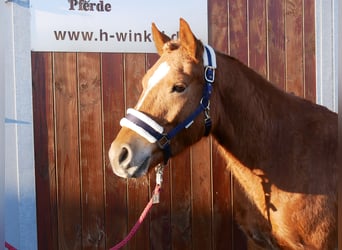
x,y
309,52
238,30
180,167
222,203
257,36
113,110
134,71
91,166
201,195
276,42
67,152
160,216
218,24
44,143
294,47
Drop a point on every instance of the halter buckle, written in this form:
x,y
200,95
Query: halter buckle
x,y
205,103
163,141
207,120
209,74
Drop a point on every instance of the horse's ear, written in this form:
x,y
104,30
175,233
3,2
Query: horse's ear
x,y
188,39
159,39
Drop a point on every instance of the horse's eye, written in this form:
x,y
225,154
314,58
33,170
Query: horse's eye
x,y
179,88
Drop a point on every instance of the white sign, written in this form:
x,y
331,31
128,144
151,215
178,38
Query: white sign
x,y
111,25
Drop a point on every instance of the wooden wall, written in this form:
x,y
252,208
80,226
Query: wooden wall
x,y
79,99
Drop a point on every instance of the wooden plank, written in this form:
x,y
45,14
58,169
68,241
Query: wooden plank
x,y
294,47
201,194
160,219
89,88
257,36
44,145
309,51
138,189
218,24
222,202
181,201
113,110
238,32
67,151
134,72
276,42
221,185
239,40
160,216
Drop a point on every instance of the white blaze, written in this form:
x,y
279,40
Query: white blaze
x,y
159,74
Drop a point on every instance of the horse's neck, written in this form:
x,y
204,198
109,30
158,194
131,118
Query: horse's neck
x,y
240,110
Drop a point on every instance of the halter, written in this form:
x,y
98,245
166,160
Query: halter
x,y
154,133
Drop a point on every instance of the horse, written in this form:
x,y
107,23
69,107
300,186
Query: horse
x,y
281,149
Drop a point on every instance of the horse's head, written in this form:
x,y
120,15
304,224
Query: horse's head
x,y
173,90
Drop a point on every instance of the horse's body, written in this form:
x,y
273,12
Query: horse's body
x,y
280,148
282,151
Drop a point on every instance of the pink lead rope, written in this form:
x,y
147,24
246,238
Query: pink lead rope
x,y
154,199
9,246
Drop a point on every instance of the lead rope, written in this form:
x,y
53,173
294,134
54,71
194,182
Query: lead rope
x,y
9,246
154,200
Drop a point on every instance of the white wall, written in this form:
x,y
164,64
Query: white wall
x,y
20,206
340,125
326,53
2,129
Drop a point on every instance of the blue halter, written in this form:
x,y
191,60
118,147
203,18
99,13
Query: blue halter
x,y
154,133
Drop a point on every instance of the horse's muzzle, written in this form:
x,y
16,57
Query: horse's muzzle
x,y
127,162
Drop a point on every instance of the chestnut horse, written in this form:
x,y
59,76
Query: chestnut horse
x,y
281,148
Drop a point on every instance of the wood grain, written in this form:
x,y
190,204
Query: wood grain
x,y
238,30
44,143
257,36
309,51
201,194
218,24
294,47
91,166
181,217
67,151
276,42
113,100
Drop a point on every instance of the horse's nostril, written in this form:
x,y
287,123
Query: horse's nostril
x,y
124,155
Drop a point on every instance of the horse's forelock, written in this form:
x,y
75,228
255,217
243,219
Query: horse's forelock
x,y
171,45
